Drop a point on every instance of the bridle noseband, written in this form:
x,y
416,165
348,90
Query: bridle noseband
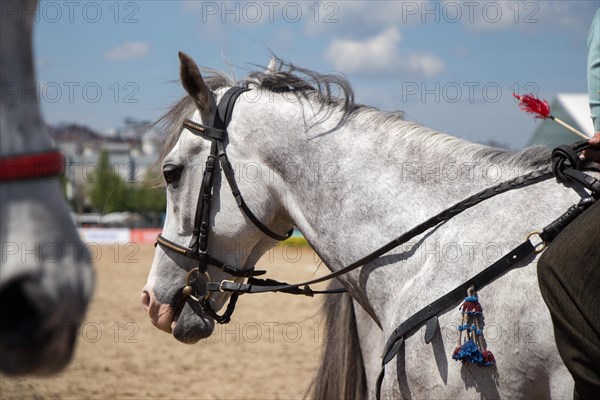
x,y
216,132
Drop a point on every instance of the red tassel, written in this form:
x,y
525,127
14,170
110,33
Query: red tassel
x,y
488,358
470,306
456,350
531,104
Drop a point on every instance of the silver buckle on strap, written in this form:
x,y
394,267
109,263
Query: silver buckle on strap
x,y
221,285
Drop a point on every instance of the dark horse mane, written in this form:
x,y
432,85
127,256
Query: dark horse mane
x,y
329,91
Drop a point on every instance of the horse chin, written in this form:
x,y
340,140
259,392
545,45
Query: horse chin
x,y
38,325
192,324
40,357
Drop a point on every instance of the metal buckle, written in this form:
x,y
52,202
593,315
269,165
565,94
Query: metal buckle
x,y
188,290
543,245
221,285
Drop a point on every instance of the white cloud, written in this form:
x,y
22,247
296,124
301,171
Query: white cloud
x,y
369,16
128,51
381,54
424,64
364,16
492,16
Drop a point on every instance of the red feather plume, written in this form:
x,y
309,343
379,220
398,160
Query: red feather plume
x,y
531,104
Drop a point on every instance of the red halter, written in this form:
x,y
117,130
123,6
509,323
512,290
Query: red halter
x,y
29,166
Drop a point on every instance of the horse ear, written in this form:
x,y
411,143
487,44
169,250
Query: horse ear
x,y
271,67
193,83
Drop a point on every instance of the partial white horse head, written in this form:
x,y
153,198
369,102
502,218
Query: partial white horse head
x,y
46,278
232,238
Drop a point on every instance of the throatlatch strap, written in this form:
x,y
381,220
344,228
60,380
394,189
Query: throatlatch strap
x,y
229,174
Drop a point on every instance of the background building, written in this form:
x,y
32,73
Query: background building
x,y
572,108
132,151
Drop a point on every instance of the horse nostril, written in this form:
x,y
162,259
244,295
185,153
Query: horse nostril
x,y
24,307
146,300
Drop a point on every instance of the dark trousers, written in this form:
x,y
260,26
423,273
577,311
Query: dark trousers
x,y
569,277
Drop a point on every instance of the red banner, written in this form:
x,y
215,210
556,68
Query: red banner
x,y
144,235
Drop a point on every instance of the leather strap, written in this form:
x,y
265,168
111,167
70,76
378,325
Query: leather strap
x,y
226,316
204,131
168,245
229,174
240,287
482,279
449,300
554,228
519,182
197,249
30,166
565,164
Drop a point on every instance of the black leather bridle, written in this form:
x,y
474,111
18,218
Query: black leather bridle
x,y
566,167
216,132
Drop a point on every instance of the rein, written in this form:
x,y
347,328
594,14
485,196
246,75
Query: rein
x,y
30,166
566,167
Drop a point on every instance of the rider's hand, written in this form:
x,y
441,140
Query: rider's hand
x,y
593,153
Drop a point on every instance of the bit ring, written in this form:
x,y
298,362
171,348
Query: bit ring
x,y
188,290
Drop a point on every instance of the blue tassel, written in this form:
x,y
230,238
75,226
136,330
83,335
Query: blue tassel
x,y
470,328
469,352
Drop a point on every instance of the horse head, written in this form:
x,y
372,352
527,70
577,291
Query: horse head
x,y
232,243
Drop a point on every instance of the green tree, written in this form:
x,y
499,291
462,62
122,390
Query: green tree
x,y
109,192
147,197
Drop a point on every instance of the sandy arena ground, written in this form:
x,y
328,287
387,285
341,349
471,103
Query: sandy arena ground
x,y
269,350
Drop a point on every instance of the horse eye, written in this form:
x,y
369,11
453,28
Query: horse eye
x,y
172,173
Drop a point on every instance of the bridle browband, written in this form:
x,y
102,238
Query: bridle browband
x,y
566,167
30,166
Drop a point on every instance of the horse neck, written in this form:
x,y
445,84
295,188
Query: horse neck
x,y
366,182
22,129
356,188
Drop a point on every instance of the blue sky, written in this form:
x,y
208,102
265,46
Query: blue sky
x,y
450,65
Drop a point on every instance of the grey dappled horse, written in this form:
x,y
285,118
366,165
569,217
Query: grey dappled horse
x,y
352,178
46,279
